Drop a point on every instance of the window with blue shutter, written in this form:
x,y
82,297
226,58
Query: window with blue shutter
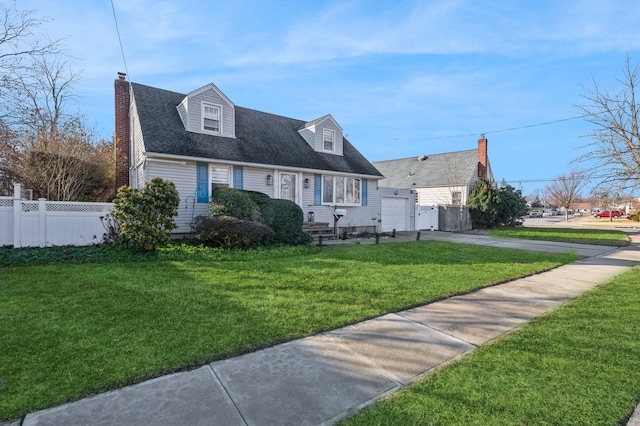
x,y
364,192
237,177
317,190
202,186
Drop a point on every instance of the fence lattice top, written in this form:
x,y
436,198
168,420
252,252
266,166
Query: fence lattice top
x,y
78,207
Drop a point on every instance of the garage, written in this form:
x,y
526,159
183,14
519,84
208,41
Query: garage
x,y
394,214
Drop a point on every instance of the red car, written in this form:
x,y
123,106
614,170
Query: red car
x,y
605,213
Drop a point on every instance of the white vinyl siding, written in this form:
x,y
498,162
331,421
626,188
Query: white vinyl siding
x,y
441,196
315,131
193,105
329,125
136,150
308,135
182,111
184,177
255,179
357,216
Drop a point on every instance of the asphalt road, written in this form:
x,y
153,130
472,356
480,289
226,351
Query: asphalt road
x,y
579,222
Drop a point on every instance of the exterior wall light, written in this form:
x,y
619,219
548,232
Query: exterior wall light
x,y
269,180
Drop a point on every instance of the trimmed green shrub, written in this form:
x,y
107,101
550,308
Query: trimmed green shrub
x,y
145,217
284,217
235,203
231,232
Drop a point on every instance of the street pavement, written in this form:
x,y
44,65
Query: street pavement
x,y
321,379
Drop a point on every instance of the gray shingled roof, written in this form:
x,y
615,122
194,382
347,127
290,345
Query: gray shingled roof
x,y
261,138
448,169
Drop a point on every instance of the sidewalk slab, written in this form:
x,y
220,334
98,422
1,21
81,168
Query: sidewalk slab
x,y
403,349
471,318
190,398
304,382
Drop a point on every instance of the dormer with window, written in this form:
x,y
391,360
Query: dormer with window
x,y
208,111
323,135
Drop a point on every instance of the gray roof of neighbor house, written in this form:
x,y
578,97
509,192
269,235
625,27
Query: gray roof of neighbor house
x,y
261,138
447,169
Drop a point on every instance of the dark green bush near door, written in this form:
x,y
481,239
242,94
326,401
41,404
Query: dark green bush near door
x,y
235,203
284,217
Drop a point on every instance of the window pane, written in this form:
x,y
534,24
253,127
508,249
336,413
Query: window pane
x,y
349,197
327,189
356,191
211,118
327,137
219,177
210,124
340,190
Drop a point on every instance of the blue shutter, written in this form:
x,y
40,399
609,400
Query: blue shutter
x,y
317,190
202,189
237,177
364,192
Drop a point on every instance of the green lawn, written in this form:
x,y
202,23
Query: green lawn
x,y
608,237
578,365
70,329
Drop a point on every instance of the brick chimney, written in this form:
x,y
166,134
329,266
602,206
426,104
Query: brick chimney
x,y
483,159
122,133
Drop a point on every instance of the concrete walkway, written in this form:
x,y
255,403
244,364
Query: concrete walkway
x,y
321,379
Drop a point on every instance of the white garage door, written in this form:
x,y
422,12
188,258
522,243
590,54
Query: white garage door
x,y
394,214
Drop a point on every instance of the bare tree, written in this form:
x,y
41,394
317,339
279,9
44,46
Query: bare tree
x,y
40,95
565,190
69,164
615,147
19,45
8,152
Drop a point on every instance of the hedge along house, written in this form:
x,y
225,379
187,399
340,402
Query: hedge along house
x,y
202,140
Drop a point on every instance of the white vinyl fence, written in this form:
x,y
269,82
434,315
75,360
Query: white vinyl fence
x,y
41,223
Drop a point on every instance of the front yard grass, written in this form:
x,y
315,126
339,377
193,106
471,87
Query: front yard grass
x,y
578,365
72,329
608,237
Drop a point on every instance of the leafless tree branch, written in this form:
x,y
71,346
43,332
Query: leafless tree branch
x,y
614,150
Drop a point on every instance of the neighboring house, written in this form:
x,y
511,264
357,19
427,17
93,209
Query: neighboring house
x,y
439,179
202,140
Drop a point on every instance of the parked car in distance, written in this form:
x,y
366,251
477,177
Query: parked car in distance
x,y
605,213
535,213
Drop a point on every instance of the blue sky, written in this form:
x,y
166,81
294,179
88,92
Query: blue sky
x,y
403,78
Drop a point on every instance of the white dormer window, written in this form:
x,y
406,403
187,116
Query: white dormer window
x,y
328,139
211,118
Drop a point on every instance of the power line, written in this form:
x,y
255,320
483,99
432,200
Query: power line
x,y
510,129
124,60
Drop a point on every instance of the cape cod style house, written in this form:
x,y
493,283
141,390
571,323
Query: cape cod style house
x,y
439,179
202,140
